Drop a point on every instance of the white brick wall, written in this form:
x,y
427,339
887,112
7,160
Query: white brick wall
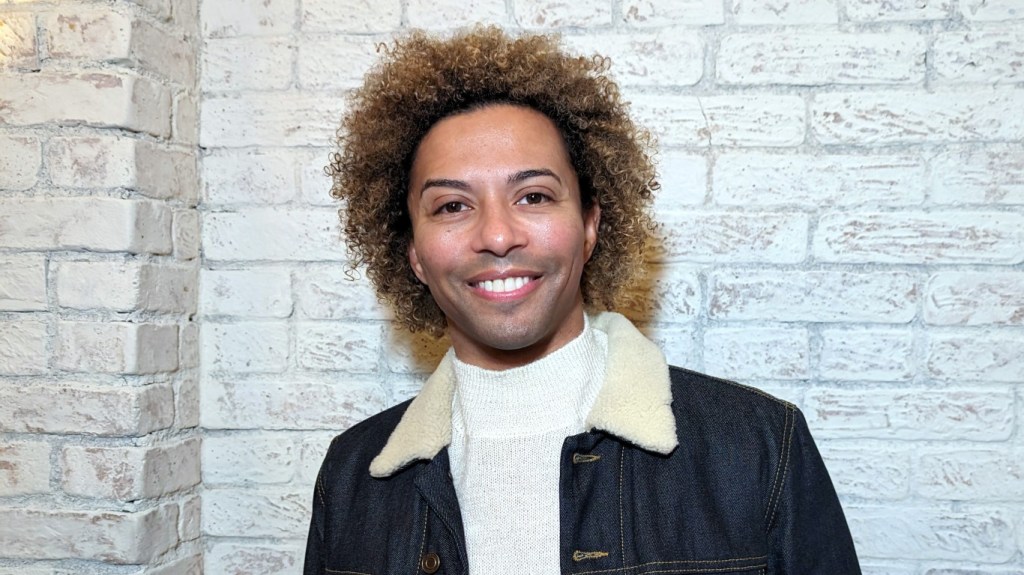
x,y
843,184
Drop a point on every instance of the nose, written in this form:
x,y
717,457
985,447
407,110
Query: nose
x,y
497,229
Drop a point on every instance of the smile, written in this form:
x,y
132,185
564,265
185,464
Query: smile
x,y
503,285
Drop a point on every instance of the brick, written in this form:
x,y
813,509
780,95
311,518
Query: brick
x,y
317,56
189,519
97,224
185,15
19,164
84,34
684,181
820,58
973,356
908,531
548,14
23,349
312,450
825,296
243,459
238,558
245,347
126,286
185,233
285,119
720,237
664,294
740,120
868,469
672,12
171,56
920,237
872,567
758,179
334,346
407,352
186,118
257,512
971,475
249,177
116,347
18,41
109,536
681,345
990,175
974,570
186,407
130,473
441,14
314,183
329,293
22,282
82,409
230,18
913,117
991,10
897,10
866,355
405,387
753,352
359,16
974,298
252,293
192,565
647,59
287,405
911,414
776,12
299,235
984,57
24,468
248,64
159,8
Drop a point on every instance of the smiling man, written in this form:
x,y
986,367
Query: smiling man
x,y
496,190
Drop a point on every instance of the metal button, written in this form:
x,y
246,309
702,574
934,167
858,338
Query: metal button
x,y
430,563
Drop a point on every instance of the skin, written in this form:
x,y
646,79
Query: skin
x,y
492,196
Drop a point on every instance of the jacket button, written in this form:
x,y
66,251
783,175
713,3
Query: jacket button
x,y
430,563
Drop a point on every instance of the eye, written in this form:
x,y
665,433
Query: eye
x,y
533,198
451,208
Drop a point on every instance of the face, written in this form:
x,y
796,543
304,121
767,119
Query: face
x,y
499,234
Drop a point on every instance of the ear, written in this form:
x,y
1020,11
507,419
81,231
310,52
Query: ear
x,y
414,261
591,223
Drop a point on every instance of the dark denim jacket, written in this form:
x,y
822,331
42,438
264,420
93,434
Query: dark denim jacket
x,y
688,475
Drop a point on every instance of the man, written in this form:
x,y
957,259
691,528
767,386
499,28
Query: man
x,y
494,188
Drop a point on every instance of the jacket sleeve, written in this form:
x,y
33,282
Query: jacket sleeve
x,y
807,531
314,562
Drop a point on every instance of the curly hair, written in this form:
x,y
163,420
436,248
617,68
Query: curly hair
x,y
423,79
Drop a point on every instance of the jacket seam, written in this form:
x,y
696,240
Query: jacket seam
x,y
740,386
684,562
781,470
423,539
622,521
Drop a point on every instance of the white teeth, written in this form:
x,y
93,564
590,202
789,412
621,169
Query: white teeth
x,y
503,285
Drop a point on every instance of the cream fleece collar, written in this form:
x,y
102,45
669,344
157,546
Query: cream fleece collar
x,y
634,403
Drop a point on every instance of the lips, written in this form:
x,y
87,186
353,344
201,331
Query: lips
x,y
503,285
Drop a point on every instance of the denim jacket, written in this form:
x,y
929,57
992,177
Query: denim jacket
x,y
678,472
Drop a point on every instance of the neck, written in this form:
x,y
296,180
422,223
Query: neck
x,y
480,355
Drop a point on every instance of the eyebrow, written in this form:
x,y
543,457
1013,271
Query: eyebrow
x,y
515,178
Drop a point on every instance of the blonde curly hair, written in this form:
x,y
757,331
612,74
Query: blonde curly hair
x,y
422,79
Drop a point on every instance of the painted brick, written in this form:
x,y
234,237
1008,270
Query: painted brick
x,y
866,355
23,348
826,296
166,173
245,347
991,10
740,120
240,558
82,409
329,293
98,34
316,57
126,286
257,512
337,346
971,475
920,237
22,282
192,565
159,8
648,59
190,518
975,298
819,58
249,177
314,183
989,175
252,293
92,98
289,405
548,14
672,12
973,356
754,352
185,234
684,181
186,118
875,567
359,16
116,347
186,407
130,473
775,12
19,164
440,14
405,387
915,117
299,235
723,237
408,352
985,57
968,569
169,55
242,459
104,162
758,179
247,64
109,536
935,533
664,294
911,414
24,467
229,18
282,118
897,10
18,41
868,469
312,450
681,345
98,224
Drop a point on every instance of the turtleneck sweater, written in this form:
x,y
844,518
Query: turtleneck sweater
x,y
508,428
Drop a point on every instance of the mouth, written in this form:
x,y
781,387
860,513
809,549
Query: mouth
x,y
503,285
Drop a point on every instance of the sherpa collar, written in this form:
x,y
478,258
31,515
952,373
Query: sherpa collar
x,y
634,403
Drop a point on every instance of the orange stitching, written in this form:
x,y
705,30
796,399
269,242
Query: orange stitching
x,y
583,555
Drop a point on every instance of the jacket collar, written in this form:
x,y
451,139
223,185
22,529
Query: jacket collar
x,y
634,403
